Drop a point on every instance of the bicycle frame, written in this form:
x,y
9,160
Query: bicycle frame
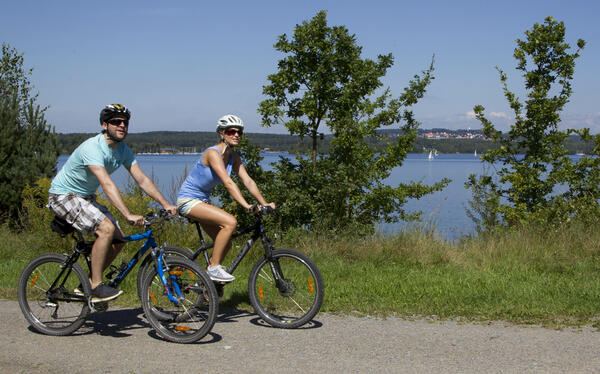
x,y
123,271
149,243
258,231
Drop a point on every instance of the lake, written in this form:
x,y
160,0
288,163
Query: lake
x,y
444,209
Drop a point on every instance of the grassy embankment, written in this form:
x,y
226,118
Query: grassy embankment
x,y
528,276
524,277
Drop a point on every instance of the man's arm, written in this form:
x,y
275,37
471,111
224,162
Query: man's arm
x,y
113,194
149,188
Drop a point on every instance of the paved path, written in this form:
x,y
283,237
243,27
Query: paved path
x,y
121,341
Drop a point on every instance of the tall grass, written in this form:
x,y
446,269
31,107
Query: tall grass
x,y
531,275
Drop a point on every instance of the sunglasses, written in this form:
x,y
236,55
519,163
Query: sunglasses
x,y
232,132
117,122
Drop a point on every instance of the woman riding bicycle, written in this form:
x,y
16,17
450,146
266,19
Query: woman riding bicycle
x,y
215,166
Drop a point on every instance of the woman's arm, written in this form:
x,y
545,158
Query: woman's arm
x,y
249,182
215,162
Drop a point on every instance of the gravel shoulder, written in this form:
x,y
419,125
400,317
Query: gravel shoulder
x,y
121,341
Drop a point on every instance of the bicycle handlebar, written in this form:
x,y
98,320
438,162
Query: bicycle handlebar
x,y
153,216
258,209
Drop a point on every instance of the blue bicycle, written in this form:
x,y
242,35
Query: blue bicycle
x,y
178,297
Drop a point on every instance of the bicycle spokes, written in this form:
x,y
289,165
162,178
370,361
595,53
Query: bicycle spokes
x,y
182,309
285,290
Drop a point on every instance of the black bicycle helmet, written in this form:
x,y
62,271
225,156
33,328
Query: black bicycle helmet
x,y
113,110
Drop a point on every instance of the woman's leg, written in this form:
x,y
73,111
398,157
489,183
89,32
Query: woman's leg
x,y
219,225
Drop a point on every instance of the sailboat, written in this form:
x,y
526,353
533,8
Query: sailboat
x,y
430,157
475,153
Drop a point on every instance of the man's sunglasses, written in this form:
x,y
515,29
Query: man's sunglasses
x,y
232,132
117,122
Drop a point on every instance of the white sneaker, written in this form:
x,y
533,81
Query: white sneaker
x,y
219,274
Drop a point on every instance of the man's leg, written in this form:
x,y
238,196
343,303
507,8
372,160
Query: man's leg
x,y
101,251
89,217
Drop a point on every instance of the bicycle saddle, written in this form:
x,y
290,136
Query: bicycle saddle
x,y
61,226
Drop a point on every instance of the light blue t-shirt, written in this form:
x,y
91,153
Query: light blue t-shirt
x,y
201,181
76,177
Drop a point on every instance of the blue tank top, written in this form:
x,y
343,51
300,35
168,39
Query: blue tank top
x,y
201,181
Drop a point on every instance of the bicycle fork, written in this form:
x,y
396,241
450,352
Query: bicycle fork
x,y
161,266
280,282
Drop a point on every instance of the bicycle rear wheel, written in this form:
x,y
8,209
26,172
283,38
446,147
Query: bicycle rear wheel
x,y
195,312
292,301
47,299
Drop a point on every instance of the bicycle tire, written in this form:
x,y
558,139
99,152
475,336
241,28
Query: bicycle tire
x,y
196,311
300,296
148,264
55,311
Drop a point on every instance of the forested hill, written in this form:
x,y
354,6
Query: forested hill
x,y
449,141
183,141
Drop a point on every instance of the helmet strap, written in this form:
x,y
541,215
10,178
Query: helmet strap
x,y
113,138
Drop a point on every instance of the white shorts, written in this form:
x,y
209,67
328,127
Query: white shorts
x,y
185,205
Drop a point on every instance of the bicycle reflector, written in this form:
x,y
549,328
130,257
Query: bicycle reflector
x,y
261,295
34,281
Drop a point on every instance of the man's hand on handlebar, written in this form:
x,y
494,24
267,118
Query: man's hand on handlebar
x,y
135,220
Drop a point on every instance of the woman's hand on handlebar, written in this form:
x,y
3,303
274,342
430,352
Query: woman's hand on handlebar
x,y
257,208
172,209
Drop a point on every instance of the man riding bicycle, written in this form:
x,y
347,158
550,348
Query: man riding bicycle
x,y
72,193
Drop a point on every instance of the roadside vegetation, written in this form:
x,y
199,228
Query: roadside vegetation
x,y
527,276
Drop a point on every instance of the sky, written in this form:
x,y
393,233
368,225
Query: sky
x,y
180,65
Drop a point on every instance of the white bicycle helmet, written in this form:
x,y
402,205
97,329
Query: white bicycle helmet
x,y
229,120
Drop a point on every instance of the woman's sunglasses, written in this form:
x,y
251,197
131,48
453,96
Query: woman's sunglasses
x,y
232,132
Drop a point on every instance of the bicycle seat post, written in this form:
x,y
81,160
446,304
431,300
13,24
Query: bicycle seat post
x,y
199,230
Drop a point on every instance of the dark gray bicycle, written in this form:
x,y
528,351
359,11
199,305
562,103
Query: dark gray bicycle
x,y
285,286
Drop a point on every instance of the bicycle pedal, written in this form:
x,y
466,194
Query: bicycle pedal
x,y
101,306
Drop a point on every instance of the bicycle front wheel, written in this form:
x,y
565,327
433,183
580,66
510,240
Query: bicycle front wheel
x,y
193,314
46,295
148,264
286,291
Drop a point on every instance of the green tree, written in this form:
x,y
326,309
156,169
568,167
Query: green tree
x,y
536,181
28,145
323,85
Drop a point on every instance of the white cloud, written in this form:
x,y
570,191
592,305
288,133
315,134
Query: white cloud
x,y
470,115
499,115
579,121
